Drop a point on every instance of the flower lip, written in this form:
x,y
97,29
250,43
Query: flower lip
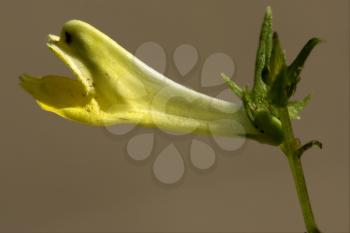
x,y
64,53
53,38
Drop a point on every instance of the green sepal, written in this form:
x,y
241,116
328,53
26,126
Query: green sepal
x,y
278,93
232,85
295,68
277,61
286,81
295,107
263,52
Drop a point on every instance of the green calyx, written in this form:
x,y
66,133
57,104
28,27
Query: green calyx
x,y
275,83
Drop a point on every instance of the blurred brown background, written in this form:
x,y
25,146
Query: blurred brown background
x,y
59,176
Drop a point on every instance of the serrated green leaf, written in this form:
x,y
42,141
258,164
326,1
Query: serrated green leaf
x,y
295,107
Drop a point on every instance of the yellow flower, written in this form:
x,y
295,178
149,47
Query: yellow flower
x,y
112,86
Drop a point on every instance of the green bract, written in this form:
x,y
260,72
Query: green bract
x,y
274,84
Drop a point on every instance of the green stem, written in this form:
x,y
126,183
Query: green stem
x,y
290,148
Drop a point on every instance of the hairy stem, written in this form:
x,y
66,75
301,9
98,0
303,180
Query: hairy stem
x,y
290,147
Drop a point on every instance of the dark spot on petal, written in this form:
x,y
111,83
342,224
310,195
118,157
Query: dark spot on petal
x,y
68,37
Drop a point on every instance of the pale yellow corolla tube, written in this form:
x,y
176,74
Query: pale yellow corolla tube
x,y
112,86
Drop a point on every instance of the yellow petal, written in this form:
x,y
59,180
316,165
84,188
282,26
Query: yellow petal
x,y
113,86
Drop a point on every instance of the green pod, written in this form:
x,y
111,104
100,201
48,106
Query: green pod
x,y
269,126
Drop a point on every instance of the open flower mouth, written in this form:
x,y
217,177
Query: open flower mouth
x,y
71,98
62,51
